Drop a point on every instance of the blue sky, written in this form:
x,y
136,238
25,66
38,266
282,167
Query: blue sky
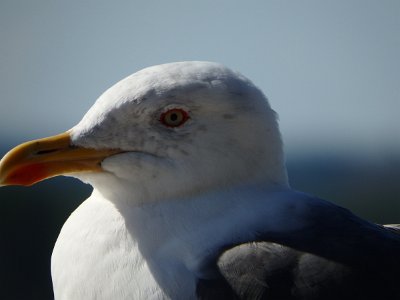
x,y
330,69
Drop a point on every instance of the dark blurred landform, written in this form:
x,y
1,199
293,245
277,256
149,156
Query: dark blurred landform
x,y
31,217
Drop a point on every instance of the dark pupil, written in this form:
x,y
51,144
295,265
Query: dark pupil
x,y
174,117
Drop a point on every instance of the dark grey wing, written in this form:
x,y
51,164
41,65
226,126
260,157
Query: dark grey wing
x,y
271,271
264,270
259,270
332,254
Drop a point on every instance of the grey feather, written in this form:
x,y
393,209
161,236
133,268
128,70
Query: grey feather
x,y
338,256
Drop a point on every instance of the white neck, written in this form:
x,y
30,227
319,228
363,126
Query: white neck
x,y
182,231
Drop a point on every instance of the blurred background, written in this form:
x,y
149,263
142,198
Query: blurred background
x,y
330,69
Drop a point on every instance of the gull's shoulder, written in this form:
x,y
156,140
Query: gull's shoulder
x,y
318,251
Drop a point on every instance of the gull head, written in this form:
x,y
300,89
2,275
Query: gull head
x,y
167,131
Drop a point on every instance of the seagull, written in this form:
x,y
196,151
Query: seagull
x,y
191,200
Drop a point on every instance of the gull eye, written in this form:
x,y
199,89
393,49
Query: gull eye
x,y
174,117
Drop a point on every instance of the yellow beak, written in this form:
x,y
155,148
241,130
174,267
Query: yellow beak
x,y
37,160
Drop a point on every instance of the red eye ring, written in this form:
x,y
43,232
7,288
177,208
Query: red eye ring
x,y
174,117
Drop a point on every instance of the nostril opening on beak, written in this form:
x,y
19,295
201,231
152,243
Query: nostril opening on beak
x,y
46,151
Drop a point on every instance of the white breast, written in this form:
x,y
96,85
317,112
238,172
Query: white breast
x,y
95,257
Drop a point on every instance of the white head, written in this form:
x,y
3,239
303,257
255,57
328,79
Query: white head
x,y
230,137
181,128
